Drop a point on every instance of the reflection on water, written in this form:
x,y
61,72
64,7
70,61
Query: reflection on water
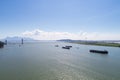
x,y
44,61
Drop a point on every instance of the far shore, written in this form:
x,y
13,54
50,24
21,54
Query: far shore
x,y
110,43
99,44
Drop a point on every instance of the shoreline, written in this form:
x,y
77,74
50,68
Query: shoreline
x,y
99,44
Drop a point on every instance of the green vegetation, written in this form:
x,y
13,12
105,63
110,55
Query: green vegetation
x,y
99,44
110,43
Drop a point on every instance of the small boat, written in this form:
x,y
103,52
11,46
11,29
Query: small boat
x,y
1,44
66,47
99,51
56,45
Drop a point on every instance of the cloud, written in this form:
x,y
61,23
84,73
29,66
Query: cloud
x,y
82,35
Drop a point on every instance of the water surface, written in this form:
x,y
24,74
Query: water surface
x,y
44,61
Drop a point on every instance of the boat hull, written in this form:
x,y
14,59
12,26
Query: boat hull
x,y
1,44
66,47
99,51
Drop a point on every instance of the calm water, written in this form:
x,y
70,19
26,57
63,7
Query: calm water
x,y
44,61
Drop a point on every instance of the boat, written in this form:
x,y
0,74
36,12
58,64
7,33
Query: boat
x,y
69,46
1,44
66,47
56,45
99,51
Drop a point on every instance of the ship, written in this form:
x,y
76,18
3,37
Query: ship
x,y
67,47
99,51
1,44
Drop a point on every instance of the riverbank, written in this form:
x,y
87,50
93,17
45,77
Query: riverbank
x,y
110,43
99,44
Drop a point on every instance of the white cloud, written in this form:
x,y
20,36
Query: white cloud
x,y
44,35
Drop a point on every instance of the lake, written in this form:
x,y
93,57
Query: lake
x,y
44,61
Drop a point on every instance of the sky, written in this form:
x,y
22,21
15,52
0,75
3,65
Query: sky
x,y
60,19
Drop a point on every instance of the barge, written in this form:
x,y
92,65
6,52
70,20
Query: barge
x,y
66,47
69,46
99,51
1,44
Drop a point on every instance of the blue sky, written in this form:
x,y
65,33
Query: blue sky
x,y
72,16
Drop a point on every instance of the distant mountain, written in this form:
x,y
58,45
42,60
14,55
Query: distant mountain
x,y
17,39
66,40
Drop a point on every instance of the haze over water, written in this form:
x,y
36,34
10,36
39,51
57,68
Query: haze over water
x,y
44,61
